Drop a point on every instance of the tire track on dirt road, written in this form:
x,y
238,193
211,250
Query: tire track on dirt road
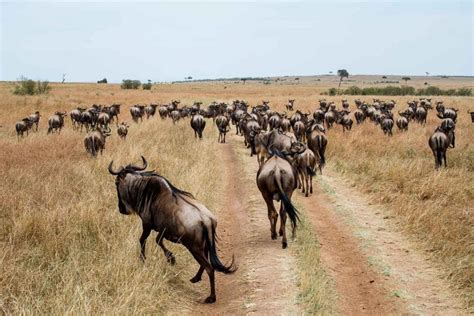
x,y
376,269
265,282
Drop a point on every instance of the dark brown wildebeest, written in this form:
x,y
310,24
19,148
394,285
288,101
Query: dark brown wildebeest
x,y
150,110
274,121
285,124
56,122
122,130
222,123
23,126
290,104
198,124
95,140
472,115
299,131
276,180
439,143
103,120
163,111
174,214
359,116
137,112
34,119
114,111
402,123
175,116
342,118
443,112
76,117
317,142
318,116
304,161
330,118
386,123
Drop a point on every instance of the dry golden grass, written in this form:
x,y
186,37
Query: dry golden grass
x,y
66,248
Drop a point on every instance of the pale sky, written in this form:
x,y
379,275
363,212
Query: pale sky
x,y
164,41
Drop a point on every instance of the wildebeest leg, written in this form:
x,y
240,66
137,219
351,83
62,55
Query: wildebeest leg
x,y
444,158
284,242
272,216
311,184
306,180
145,233
198,275
168,254
201,258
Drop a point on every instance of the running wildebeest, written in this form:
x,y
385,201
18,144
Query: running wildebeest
x,y
56,122
174,214
198,124
276,180
95,140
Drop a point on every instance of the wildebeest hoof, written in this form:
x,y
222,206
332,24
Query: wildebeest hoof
x,y
196,279
284,245
280,233
274,236
211,299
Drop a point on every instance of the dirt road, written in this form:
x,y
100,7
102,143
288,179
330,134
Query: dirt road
x,y
376,270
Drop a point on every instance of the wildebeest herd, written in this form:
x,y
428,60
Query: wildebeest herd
x,y
289,147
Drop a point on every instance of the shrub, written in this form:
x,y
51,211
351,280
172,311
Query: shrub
x,y
102,81
29,87
397,91
333,91
130,84
147,86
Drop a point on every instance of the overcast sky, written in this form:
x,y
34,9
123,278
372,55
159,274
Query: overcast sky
x,y
165,41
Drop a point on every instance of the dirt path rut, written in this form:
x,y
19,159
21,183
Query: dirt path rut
x,y
265,283
377,270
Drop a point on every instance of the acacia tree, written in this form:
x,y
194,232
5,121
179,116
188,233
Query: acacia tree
x,y
342,73
406,79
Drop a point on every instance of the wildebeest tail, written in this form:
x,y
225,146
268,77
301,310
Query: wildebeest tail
x,y
321,151
210,238
289,207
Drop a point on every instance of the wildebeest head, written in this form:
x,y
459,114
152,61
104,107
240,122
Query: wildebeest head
x,y
126,184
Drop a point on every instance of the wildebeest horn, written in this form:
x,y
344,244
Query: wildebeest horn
x,y
112,171
145,164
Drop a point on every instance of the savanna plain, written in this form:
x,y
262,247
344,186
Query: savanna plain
x,y
379,207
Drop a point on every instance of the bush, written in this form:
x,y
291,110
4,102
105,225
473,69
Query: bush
x,y
130,84
102,81
147,86
29,87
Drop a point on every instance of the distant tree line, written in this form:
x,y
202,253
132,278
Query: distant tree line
x,y
397,91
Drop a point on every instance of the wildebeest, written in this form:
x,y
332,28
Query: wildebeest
x,y
175,116
34,119
122,130
137,112
443,112
56,122
343,119
222,123
23,126
174,214
150,110
359,116
290,104
163,111
95,140
439,143
317,142
305,163
299,131
276,180
402,123
114,111
198,124
76,117
386,123
285,124
103,120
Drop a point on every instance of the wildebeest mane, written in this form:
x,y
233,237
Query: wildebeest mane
x,y
149,191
